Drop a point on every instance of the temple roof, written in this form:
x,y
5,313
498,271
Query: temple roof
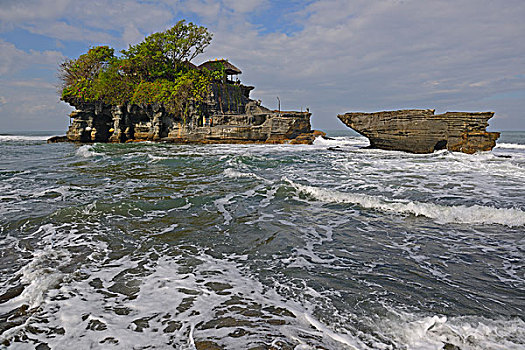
x,y
229,68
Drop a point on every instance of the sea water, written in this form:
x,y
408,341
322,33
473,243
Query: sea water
x,y
328,246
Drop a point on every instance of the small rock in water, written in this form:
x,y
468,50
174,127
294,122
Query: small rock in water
x,y
207,345
56,139
449,346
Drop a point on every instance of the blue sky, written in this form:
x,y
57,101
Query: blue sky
x,y
331,56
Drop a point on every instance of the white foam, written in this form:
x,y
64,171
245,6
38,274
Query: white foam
x,y
220,204
165,293
356,141
63,191
510,145
475,214
162,291
433,332
86,151
168,229
340,338
20,138
232,173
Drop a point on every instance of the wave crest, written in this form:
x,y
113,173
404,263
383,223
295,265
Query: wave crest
x,y
86,151
510,145
475,214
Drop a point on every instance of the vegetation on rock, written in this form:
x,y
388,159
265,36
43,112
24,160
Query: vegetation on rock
x,y
156,70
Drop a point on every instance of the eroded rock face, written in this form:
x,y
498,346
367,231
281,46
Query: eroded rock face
x,y
228,116
422,131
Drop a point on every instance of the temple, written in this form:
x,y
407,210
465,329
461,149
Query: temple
x,y
227,115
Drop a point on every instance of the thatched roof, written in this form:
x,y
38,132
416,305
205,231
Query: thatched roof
x,y
230,69
190,65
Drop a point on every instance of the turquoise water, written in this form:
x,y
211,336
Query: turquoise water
x,y
329,246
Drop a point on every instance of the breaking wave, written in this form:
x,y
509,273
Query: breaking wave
x,y
475,214
510,145
358,141
86,151
6,138
465,332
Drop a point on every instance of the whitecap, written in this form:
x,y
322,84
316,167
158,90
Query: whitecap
x,y
86,151
464,332
475,214
234,174
21,138
510,145
342,141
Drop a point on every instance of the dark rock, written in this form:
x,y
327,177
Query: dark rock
x,y
239,332
207,345
421,131
56,139
11,293
335,149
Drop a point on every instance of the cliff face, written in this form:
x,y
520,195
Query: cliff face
x,y
227,116
422,131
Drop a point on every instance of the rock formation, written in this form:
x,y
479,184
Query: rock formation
x,y
228,115
422,131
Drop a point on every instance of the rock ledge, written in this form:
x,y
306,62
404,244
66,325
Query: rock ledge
x,y
422,131
228,115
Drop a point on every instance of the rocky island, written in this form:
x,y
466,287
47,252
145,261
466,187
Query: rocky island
x,y
154,92
422,131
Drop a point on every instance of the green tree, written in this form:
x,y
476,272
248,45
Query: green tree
x,y
86,67
157,70
162,55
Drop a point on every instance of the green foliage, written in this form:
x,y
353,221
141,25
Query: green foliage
x,y
157,70
161,55
87,66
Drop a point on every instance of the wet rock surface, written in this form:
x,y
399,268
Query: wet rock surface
x,y
422,131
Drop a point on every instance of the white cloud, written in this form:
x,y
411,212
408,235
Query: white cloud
x,y
245,6
32,109
386,54
88,21
19,11
210,10
347,55
13,60
33,84
63,31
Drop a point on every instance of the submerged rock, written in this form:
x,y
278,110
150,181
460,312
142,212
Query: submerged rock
x,y
422,131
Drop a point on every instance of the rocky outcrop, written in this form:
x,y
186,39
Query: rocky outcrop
x,y
227,116
422,131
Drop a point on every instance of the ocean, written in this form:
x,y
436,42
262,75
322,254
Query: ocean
x,y
328,246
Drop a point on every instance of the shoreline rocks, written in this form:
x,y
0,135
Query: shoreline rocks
x,y
422,131
120,124
228,115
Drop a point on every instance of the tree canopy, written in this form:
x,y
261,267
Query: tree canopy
x,y
156,70
160,53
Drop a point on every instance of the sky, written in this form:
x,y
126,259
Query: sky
x,y
331,56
